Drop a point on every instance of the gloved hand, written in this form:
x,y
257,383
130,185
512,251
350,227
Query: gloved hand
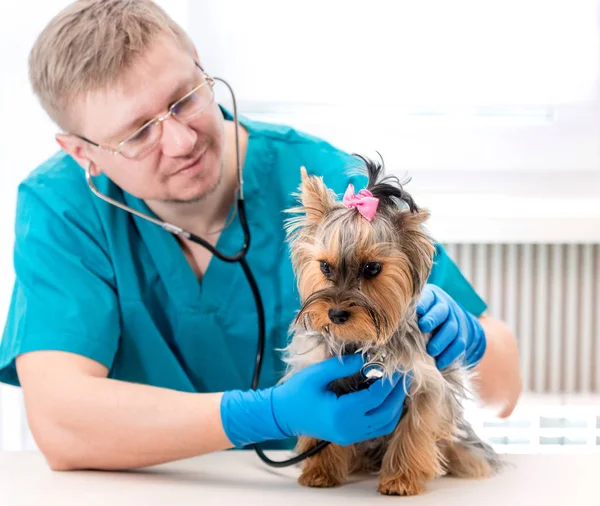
x,y
304,405
455,330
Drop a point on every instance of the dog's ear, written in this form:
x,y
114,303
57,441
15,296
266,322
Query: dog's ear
x,y
416,243
411,221
315,196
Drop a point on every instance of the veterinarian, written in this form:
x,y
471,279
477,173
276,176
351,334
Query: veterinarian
x,y
134,347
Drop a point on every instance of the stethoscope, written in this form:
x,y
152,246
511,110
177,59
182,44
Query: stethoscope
x,y
370,372
240,257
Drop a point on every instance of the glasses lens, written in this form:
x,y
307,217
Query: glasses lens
x,y
194,104
142,141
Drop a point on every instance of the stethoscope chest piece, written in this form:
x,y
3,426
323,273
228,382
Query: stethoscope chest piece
x,y
372,371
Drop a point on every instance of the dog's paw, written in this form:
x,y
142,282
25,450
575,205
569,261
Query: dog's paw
x,y
316,477
401,485
470,468
467,462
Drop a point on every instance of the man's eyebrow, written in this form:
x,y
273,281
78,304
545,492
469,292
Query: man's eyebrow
x,y
184,87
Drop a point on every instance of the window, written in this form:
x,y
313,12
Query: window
x,y
433,85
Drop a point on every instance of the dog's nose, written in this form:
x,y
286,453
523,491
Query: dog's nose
x,y
338,316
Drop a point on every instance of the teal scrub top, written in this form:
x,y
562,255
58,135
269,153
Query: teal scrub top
x,y
94,280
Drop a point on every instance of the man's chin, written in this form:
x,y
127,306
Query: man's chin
x,y
195,192
191,198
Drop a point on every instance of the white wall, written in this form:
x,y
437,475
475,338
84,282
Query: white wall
x,y
490,106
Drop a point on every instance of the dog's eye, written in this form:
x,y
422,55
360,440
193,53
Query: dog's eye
x,y
371,269
326,269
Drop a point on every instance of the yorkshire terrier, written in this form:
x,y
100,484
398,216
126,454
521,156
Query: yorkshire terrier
x,y
360,266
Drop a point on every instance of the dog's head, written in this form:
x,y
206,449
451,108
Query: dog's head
x,y
359,263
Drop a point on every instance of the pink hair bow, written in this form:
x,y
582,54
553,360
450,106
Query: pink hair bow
x,y
364,202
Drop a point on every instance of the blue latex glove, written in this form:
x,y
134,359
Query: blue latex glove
x,y
304,405
455,330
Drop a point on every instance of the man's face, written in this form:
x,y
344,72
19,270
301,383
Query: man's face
x,y
187,162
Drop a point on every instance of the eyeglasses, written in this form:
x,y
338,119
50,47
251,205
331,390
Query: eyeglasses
x,y
145,138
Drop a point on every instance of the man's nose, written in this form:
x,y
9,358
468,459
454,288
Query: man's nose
x,y
177,139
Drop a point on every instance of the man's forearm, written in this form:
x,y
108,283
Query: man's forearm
x,y
498,375
107,424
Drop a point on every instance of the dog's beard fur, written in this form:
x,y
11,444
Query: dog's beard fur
x,y
432,438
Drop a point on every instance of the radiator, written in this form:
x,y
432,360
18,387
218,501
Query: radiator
x,y
548,295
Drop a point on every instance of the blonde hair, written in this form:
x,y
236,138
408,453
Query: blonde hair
x,y
89,45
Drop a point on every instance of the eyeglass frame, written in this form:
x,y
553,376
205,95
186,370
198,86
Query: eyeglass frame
x,y
208,80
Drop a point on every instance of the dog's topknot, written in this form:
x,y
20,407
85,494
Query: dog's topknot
x,y
388,189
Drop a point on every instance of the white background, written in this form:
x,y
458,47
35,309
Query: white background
x,y
492,107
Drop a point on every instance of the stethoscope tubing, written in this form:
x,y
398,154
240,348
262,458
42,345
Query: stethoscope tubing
x,y
240,257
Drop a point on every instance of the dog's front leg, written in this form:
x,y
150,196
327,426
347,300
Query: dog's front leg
x,y
412,456
328,468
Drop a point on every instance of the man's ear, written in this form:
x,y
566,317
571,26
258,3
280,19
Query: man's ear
x,y
77,150
316,198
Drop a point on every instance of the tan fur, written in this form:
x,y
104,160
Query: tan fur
x,y
463,463
412,457
328,468
417,246
389,290
360,326
316,198
312,279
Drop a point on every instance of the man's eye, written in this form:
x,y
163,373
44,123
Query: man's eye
x,y
191,105
184,104
141,135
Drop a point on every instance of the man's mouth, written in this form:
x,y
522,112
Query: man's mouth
x,y
190,163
